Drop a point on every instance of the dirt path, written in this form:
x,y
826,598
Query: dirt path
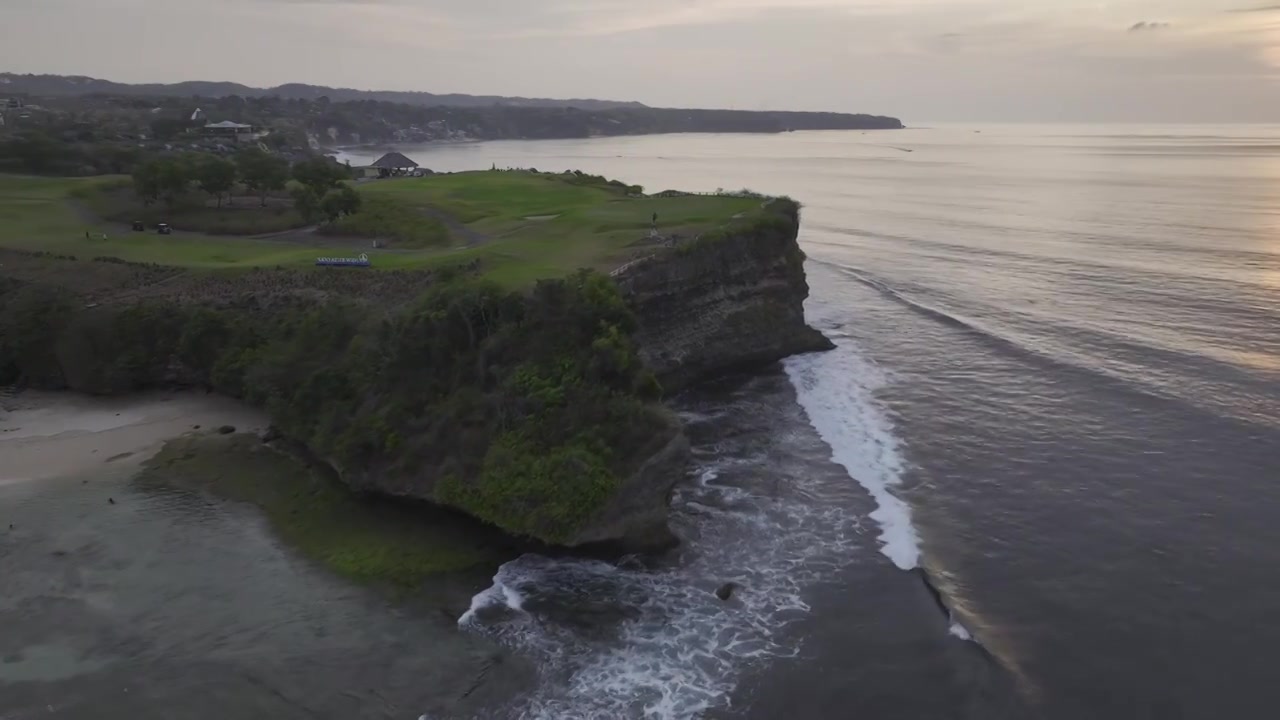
x,y
291,235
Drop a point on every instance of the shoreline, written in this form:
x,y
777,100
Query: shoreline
x,y
392,147
45,435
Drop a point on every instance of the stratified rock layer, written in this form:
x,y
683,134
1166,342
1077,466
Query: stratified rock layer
x,y
723,303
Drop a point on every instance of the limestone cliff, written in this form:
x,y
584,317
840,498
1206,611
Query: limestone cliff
x,y
726,301
532,411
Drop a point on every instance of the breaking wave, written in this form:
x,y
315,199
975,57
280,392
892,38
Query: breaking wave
x,y
836,390
762,509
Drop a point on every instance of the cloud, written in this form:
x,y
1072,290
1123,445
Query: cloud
x,y
1145,26
1263,9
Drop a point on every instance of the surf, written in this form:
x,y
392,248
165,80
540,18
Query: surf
x,y
648,637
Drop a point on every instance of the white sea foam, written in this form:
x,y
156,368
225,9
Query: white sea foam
x,y
633,642
959,631
497,595
836,390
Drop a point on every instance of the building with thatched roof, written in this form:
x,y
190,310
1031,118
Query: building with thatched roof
x,y
393,163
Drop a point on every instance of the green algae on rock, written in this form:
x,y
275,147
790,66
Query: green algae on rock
x,y
361,538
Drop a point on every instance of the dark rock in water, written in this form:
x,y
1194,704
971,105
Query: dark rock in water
x,y
111,501
59,553
933,590
271,434
195,427
725,591
226,429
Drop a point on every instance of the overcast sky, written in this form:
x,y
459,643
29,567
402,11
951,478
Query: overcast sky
x,y
922,60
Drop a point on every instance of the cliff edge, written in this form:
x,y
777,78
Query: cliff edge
x,y
728,300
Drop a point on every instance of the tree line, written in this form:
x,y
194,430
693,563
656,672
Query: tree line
x,y
523,409
318,192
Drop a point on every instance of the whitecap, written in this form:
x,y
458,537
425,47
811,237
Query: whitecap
x,y
837,391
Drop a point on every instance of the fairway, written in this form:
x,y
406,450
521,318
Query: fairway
x,y
520,226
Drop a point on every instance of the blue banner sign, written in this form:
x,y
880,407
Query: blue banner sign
x,y
362,261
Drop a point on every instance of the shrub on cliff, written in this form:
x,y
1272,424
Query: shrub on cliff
x,y
30,322
119,350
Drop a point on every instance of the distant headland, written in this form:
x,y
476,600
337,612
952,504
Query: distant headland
x,y
333,117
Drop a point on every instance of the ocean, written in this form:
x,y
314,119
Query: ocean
x,y
1039,477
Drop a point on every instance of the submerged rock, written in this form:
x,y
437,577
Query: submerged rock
x,y
725,591
226,429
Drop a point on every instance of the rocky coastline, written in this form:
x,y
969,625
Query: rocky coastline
x,y
729,300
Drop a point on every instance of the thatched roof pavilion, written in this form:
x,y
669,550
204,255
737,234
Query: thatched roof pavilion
x,y
394,161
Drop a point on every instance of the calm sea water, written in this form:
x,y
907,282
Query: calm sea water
x,y
1056,392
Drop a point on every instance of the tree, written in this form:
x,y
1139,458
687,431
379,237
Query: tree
x,y
119,159
216,176
162,178
320,174
172,177
262,172
146,183
306,202
168,128
35,152
340,201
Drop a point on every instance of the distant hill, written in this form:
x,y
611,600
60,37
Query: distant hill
x,y
74,85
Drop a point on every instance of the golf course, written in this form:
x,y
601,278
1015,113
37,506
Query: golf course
x,y
516,226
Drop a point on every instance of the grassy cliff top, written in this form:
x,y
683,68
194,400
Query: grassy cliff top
x,y
520,226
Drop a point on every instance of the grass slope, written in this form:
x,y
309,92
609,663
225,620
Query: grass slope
x,y
522,226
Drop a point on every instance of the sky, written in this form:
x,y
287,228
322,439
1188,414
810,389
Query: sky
x,y
921,60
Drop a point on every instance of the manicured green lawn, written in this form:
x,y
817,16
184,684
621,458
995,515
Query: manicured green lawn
x,y
38,214
521,226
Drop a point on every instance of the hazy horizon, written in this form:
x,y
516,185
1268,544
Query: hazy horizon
x,y
1190,61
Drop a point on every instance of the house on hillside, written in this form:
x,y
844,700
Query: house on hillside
x,y
394,164
227,129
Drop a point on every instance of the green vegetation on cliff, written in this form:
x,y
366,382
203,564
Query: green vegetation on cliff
x,y
524,410
500,378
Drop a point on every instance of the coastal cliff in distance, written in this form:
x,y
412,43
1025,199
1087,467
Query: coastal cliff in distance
x,y
336,117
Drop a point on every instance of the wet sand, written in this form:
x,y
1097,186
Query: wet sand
x,y
48,435
132,600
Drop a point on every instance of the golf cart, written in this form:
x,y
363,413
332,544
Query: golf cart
x,y
164,229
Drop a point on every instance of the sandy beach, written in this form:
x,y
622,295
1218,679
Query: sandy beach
x,y
45,435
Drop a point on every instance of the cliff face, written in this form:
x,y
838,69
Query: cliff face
x,y
635,517
725,302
